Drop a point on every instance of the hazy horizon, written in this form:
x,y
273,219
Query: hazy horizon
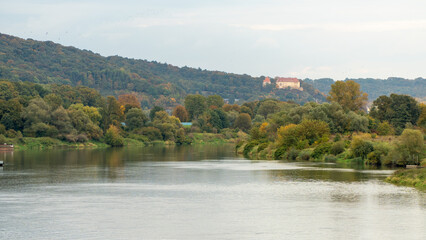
x,y
304,39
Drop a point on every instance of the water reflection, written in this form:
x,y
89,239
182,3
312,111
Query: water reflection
x,y
198,192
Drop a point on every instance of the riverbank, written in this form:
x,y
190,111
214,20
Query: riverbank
x,y
410,178
41,143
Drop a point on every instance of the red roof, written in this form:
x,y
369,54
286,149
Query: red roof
x,y
267,80
295,80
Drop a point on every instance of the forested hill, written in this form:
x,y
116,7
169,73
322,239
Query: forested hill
x,y
377,87
154,83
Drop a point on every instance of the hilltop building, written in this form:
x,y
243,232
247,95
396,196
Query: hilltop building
x,y
293,83
267,81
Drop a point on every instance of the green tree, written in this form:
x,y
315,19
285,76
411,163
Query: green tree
x,y
135,118
398,110
348,95
422,117
37,111
412,146
53,100
61,121
361,148
268,107
195,105
243,121
214,100
384,128
7,90
154,110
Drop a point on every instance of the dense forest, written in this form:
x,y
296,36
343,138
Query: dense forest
x,y
154,84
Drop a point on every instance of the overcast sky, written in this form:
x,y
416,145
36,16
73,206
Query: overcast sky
x,y
299,38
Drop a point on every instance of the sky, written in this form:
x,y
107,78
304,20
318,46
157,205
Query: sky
x,y
288,38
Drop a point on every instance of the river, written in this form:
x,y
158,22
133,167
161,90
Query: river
x,y
198,192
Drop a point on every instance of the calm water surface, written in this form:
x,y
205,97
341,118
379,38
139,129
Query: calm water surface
x,y
198,192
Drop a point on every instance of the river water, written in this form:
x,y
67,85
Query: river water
x,y
198,192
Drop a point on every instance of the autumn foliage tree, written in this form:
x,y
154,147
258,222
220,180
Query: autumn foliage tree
x,y
129,101
181,113
348,95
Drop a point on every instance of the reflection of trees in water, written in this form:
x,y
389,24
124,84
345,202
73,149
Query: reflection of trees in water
x,y
179,153
67,164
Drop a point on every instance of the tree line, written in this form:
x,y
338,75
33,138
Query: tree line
x,y
392,133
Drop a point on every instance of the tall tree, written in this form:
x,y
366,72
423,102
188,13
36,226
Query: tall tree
x,y
268,107
195,105
348,95
397,110
215,100
243,121
135,118
113,113
181,113
129,101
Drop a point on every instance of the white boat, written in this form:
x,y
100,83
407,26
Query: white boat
x,y
1,163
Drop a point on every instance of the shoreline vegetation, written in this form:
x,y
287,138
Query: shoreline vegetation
x,y
409,178
391,134
44,143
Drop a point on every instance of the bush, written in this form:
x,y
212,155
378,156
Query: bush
x,y
337,138
305,155
2,129
11,133
337,148
262,146
249,147
113,137
152,133
373,158
385,128
291,155
361,148
280,152
412,146
330,158
321,150
139,137
393,158
2,139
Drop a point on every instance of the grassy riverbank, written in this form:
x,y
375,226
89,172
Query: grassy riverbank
x,y
410,178
29,143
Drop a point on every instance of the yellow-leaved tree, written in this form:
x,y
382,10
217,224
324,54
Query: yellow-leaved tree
x,y
348,95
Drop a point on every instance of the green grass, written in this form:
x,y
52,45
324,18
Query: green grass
x,y
409,177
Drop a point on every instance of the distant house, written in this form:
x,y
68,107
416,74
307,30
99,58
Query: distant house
x,y
266,81
293,83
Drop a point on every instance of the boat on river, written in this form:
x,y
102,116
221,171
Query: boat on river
x,y
1,163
